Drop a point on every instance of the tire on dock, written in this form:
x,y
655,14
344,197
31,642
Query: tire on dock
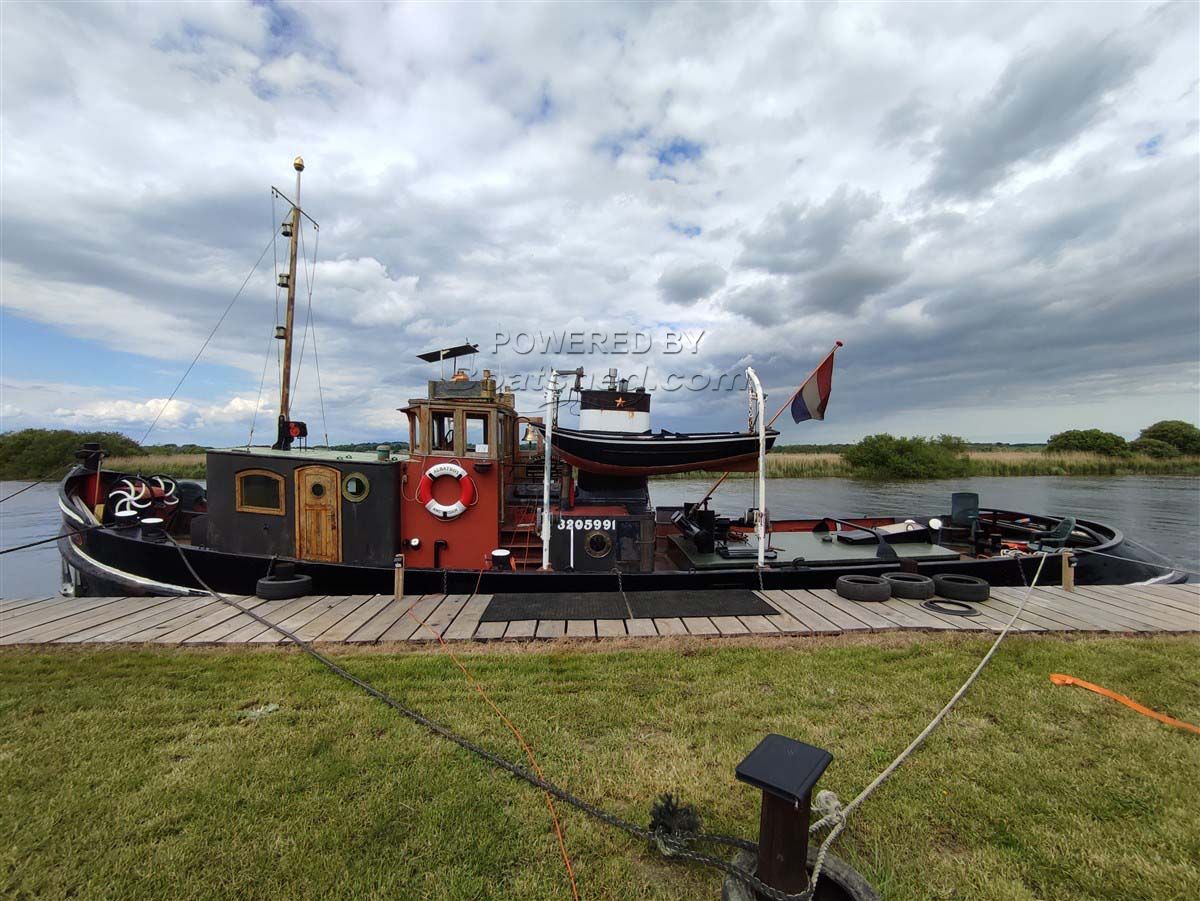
x,y
863,588
956,587
910,586
283,588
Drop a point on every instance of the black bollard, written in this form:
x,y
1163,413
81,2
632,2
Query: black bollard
x,y
786,771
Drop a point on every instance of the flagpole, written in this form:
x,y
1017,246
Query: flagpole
x,y
787,403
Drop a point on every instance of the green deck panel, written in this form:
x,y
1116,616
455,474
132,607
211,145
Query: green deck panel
x,y
790,545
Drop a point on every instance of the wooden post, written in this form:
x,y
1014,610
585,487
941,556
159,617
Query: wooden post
x,y
1068,571
399,586
786,771
783,842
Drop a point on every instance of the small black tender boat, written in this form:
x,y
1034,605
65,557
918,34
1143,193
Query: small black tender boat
x,y
658,453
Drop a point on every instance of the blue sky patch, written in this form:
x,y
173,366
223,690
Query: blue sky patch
x,y
1151,146
692,231
678,150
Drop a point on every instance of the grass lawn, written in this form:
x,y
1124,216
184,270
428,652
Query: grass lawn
x,y
138,772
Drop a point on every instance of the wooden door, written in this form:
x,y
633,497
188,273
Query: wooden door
x,y
318,511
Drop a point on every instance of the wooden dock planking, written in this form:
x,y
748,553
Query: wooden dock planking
x,y
490,631
642,627
842,619
195,620
386,617
337,608
521,628
50,612
371,605
551,628
699,625
581,628
936,620
60,628
729,625
860,610
447,611
201,620
1169,600
1124,620
670,626
464,625
1050,607
120,630
610,628
409,624
9,607
1146,611
808,622
759,625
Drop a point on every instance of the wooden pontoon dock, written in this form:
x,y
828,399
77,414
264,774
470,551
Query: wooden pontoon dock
x,y
382,619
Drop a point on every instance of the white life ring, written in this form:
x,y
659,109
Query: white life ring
x,y
466,495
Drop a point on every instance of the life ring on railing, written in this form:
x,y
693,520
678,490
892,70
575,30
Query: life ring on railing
x,y
466,496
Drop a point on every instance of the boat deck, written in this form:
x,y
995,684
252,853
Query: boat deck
x,y
381,619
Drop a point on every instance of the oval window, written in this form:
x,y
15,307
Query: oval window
x,y
318,489
355,487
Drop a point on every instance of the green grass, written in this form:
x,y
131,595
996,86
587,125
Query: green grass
x,y
137,772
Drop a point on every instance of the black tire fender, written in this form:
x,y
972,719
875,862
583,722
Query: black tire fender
x,y
961,588
910,586
277,588
863,588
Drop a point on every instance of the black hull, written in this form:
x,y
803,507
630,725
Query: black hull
x,y
107,563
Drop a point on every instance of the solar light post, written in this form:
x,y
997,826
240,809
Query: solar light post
x,y
786,771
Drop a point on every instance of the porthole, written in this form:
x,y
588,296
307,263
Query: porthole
x,y
598,544
355,487
318,490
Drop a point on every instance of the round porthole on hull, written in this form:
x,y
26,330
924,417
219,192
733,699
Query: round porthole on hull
x,y
355,487
598,544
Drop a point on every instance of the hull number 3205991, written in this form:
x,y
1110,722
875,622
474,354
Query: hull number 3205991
x,y
587,524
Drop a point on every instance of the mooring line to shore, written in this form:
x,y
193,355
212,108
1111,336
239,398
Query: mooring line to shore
x,y
835,814
672,845
675,846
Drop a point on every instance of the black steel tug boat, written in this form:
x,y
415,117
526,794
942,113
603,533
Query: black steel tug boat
x,y
486,500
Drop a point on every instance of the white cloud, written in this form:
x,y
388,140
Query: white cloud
x,y
759,172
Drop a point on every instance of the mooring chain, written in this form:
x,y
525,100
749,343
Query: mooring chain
x,y
673,845
621,588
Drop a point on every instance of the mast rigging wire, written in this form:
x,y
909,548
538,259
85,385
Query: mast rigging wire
x,y
192,364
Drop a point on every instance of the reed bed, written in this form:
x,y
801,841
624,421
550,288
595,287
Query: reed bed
x,y
178,466
983,463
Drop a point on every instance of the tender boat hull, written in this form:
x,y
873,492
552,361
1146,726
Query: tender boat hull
x,y
659,453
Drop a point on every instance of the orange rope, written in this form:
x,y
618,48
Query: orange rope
x,y
1060,679
562,842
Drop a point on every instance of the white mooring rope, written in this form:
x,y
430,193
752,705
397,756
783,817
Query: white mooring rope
x,y
830,806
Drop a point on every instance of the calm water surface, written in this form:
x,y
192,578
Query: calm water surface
x,y
1162,512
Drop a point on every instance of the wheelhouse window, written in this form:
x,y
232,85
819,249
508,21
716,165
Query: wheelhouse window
x,y
441,427
259,491
478,433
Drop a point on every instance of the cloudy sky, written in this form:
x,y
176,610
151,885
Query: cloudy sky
x,y
995,207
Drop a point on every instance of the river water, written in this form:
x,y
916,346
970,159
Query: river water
x,y
1161,512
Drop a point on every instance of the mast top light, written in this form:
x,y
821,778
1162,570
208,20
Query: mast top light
x,y
298,164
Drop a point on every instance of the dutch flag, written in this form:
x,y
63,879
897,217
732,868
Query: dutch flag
x,y
810,400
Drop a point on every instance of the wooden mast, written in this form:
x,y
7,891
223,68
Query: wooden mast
x,y
285,441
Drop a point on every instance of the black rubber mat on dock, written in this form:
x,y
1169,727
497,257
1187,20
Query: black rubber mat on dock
x,y
610,605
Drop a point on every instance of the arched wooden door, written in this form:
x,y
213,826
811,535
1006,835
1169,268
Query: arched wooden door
x,y
318,509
